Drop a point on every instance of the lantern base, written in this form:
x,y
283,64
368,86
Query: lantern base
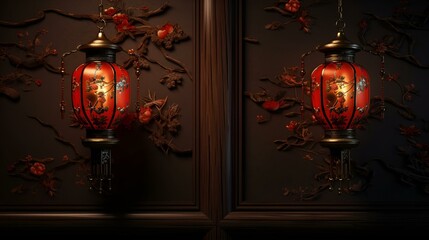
x,y
100,142
99,138
340,139
339,143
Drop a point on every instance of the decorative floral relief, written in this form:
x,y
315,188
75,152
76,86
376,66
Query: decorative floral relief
x,y
294,11
26,54
42,171
160,120
301,121
398,40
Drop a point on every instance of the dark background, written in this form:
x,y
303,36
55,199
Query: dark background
x,y
232,186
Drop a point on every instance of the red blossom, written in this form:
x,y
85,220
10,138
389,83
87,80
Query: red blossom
x,y
110,11
260,118
53,51
292,126
119,18
289,77
122,23
305,21
392,77
292,6
28,158
165,30
410,131
145,115
271,105
125,26
38,82
38,169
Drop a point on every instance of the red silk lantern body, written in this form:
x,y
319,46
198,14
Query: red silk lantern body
x,y
340,94
100,94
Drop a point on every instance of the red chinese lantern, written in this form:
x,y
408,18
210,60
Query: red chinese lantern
x,y
340,97
100,96
100,87
100,91
340,88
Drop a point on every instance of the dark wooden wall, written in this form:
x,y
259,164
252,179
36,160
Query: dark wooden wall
x,y
232,186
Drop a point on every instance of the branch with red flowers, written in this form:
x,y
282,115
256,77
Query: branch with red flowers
x,y
162,123
43,170
27,54
295,12
130,22
400,43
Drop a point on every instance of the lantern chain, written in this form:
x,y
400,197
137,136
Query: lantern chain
x,y
340,22
101,23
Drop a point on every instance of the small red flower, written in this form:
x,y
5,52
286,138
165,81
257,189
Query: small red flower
x,y
165,30
125,26
271,105
292,6
291,126
260,118
38,169
392,77
119,18
110,11
305,21
38,82
410,131
145,115
53,51
28,158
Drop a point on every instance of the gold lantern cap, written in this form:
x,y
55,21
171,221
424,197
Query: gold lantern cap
x,y
100,49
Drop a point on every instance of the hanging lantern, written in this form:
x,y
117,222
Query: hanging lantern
x,y
100,95
100,91
340,97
